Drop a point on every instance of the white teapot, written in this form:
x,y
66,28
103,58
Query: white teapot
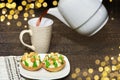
x,y
85,16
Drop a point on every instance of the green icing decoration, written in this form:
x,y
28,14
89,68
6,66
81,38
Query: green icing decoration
x,y
26,63
35,64
47,63
55,64
61,58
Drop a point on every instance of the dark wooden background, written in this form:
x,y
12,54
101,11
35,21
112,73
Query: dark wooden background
x,y
81,51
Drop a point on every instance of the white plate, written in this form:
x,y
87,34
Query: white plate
x,y
43,74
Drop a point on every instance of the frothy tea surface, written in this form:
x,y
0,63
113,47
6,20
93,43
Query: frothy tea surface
x,y
44,22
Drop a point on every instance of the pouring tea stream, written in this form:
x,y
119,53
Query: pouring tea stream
x,y
86,17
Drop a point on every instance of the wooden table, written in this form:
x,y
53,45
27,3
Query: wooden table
x,y
81,51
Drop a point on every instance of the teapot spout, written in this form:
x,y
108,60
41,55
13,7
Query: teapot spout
x,y
55,12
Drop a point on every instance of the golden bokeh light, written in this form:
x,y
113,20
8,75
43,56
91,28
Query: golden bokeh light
x,y
9,1
104,74
38,5
100,69
77,70
4,10
79,78
25,26
20,8
118,78
24,3
112,75
12,12
41,1
33,15
118,66
31,11
29,1
15,16
74,75
2,18
88,78
104,78
55,3
27,7
112,18
114,68
45,4
103,63
112,58
107,69
85,74
19,23
118,59
31,5
6,15
2,5
25,14
9,17
97,61
107,58
8,23
90,70
8,5
25,19
96,77
17,11
114,61
110,0
13,5
114,79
